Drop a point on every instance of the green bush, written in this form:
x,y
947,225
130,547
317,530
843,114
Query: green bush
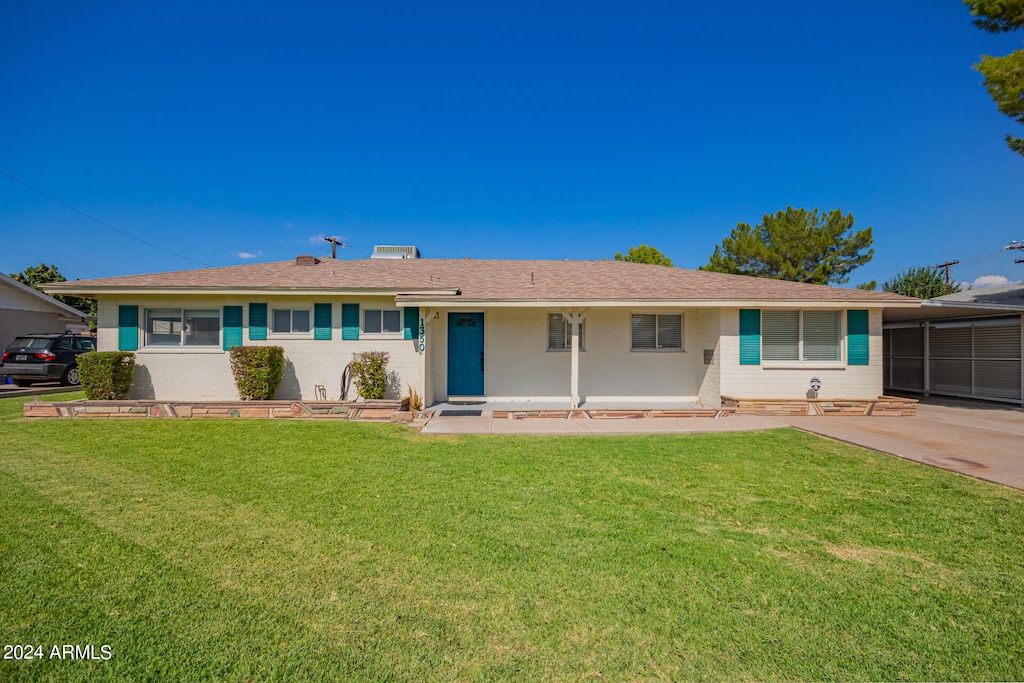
x,y
370,372
106,375
257,371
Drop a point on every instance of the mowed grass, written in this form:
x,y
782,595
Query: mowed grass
x,y
291,550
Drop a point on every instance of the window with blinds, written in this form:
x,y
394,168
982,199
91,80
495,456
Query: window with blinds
x,y
560,333
801,335
780,335
822,335
651,331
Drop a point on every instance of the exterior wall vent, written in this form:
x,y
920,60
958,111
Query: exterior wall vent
x,y
389,251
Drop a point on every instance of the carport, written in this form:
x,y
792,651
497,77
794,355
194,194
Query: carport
x,y
967,345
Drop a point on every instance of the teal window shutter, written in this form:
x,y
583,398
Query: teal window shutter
x,y
127,328
232,327
857,337
750,336
350,321
412,322
257,321
321,321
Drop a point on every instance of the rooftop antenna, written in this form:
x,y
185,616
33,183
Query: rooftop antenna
x,y
334,246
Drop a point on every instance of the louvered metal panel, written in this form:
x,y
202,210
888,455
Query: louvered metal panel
x,y
904,347
951,375
907,374
997,378
1002,341
949,342
907,342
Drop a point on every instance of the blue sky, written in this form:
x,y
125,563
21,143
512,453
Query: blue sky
x,y
233,132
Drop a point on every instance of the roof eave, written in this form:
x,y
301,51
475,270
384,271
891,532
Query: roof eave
x,y
652,303
250,291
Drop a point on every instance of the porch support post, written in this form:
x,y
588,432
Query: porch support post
x,y
575,320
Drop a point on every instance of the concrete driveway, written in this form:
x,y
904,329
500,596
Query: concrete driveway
x,y
983,440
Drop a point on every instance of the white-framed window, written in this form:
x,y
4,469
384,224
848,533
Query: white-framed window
x,y
655,331
182,327
560,333
801,335
382,320
290,321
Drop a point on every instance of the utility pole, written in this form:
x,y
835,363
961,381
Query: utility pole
x,y
946,265
1015,245
334,246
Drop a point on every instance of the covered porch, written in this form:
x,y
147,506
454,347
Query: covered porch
x,y
548,356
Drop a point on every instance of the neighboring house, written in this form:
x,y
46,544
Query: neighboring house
x,y
24,310
498,330
967,344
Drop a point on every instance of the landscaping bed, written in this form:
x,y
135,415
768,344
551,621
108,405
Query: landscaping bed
x,y
321,410
883,406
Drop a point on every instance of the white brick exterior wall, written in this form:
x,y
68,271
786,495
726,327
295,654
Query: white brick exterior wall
x,y
203,374
518,364
791,379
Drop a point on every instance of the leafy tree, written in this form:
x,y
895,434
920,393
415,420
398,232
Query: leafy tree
x,y
1004,76
644,254
795,244
920,282
37,276
868,286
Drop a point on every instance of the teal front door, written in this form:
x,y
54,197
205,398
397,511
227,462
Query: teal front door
x,y
465,354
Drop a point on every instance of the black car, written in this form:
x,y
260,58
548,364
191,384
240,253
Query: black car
x,y
45,358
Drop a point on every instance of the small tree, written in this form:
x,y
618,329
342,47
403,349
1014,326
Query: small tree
x,y
370,372
797,245
106,375
644,254
257,371
920,282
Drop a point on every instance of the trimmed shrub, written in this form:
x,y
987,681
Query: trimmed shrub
x,y
106,375
257,371
370,372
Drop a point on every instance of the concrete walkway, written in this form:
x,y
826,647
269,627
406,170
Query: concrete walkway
x,y
485,424
981,440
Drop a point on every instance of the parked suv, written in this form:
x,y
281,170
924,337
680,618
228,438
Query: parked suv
x,y
44,358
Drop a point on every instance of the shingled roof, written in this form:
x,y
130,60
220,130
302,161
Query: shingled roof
x,y
413,280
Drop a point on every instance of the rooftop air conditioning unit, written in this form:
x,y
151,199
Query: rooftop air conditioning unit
x,y
388,251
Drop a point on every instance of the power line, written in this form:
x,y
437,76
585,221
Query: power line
x,y
97,220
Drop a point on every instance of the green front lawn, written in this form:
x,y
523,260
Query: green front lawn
x,y
290,550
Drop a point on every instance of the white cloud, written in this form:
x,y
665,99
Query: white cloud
x,y
246,254
316,239
990,281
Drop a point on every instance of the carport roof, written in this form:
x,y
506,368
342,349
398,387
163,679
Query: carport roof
x,y
972,302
